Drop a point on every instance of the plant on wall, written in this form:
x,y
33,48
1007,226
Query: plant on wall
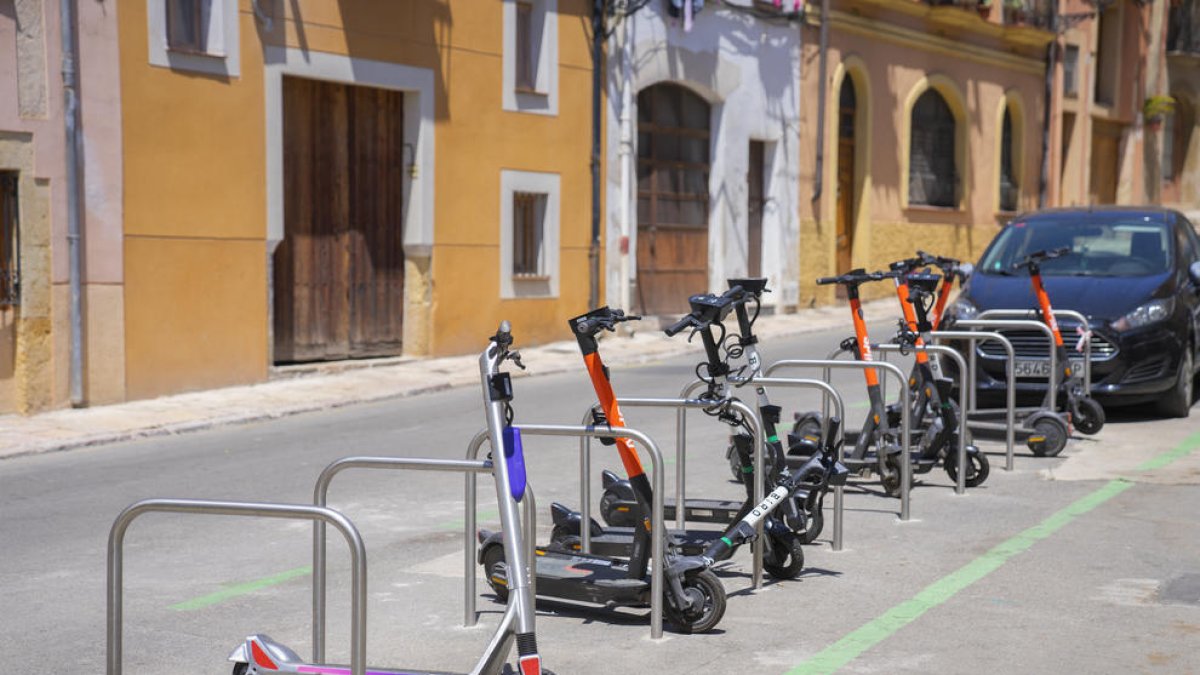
x,y
1157,107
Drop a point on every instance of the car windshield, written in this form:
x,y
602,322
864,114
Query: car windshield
x,y
1102,245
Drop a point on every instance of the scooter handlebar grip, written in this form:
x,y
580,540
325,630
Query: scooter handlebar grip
x,y
679,326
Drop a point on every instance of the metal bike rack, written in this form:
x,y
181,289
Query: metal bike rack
x,y
358,561
960,486
1017,324
968,382
656,509
681,405
320,495
1066,313
828,391
827,366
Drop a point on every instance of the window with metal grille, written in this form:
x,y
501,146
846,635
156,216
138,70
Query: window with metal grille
x,y
1009,190
526,48
932,170
529,215
1071,71
10,240
187,25
673,157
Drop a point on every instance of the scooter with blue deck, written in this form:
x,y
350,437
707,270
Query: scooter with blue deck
x,y
259,654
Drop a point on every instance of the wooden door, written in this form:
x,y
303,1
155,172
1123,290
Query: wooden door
x,y
1106,137
756,196
339,271
845,177
673,167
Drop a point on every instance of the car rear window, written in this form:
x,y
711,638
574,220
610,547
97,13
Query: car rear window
x,y
1107,245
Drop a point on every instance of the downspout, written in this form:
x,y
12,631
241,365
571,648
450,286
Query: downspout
x,y
819,178
624,152
71,118
597,59
1048,109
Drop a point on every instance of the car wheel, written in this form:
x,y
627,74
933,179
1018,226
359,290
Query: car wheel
x,y
1178,401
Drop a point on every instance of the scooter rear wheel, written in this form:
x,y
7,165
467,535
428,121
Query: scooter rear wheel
x,y
495,570
978,468
1049,437
1087,415
708,595
787,557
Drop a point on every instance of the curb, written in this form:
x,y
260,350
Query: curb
x,y
553,358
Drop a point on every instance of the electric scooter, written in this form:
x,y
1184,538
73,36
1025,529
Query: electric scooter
x,y
1087,415
804,513
260,654
783,557
876,448
935,417
695,598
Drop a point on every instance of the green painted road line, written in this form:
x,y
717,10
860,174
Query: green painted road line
x,y
240,589
1185,448
879,629
457,523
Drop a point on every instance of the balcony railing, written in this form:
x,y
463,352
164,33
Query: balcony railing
x,y
1035,13
1183,31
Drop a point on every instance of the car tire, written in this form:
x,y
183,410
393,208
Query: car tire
x,y
1178,401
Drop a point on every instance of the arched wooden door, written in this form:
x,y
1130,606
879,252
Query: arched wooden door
x,y
673,167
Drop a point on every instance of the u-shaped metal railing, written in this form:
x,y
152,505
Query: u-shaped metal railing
x,y
358,562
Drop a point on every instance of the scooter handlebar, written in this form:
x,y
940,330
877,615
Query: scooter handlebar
x,y
679,326
1038,256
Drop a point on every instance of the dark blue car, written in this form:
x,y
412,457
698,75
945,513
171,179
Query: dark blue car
x,y
1133,272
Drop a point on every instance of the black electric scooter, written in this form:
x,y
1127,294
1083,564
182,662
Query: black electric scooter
x,y
695,598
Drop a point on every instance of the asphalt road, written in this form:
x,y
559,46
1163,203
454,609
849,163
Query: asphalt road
x,y
1089,562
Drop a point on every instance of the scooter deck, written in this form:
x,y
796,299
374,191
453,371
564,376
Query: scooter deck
x,y
618,541
720,511
265,654
589,578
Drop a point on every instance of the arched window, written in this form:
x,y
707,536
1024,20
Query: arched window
x,y
932,173
1010,190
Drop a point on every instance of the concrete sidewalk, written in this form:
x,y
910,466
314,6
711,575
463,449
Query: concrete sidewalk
x,y
322,387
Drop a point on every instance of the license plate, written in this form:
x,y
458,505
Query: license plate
x,y
1040,367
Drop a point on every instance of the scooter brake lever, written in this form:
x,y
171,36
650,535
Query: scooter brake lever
x,y
515,357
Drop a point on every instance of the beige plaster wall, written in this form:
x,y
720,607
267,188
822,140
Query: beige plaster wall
x,y
890,74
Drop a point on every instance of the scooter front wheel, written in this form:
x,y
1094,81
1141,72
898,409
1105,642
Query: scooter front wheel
x,y
786,557
707,596
890,478
240,668
978,468
816,523
1087,415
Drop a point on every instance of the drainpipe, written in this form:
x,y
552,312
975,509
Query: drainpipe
x,y
597,63
71,119
819,181
1048,108
625,151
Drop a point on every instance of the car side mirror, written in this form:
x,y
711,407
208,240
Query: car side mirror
x,y
1194,272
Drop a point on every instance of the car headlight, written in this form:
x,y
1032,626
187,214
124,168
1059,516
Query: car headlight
x,y
1155,310
962,309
